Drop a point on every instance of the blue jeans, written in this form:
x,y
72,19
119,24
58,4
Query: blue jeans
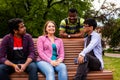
x,y
5,71
49,71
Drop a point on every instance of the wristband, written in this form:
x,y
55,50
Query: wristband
x,y
68,36
14,65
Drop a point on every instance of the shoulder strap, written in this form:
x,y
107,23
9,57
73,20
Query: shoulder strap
x,y
66,21
78,26
78,23
67,25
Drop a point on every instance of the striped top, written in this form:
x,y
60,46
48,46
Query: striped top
x,y
70,28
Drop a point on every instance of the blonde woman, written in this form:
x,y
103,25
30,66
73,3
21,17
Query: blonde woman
x,y
51,53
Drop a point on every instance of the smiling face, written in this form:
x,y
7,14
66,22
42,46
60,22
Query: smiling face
x,y
72,17
49,27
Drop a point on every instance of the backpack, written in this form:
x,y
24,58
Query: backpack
x,y
77,26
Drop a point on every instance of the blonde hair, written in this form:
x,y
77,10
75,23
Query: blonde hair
x,y
45,26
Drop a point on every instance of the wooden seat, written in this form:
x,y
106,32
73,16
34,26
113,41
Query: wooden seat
x,y
72,49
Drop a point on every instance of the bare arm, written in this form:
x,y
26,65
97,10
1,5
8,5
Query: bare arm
x,y
78,35
9,63
63,34
23,66
28,61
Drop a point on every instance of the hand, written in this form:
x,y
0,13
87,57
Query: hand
x,y
23,67
17,69
58,61
53,63
80,59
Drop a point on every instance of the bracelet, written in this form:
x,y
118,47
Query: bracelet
x,y
14,65
69,36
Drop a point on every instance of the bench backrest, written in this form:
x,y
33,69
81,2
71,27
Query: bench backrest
x,y
72,48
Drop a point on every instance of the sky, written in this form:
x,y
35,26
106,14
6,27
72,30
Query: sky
x,y
97,3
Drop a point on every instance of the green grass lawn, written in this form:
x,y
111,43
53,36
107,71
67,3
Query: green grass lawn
x,y
113,64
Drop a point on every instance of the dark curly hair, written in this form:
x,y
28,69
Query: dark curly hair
x,y
73,10
13,24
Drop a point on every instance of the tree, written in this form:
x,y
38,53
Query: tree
x,y
36,12
111,32
112,27
109,14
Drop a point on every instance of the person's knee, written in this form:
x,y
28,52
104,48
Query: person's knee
x,y
62,66
50,71
2,68
87,55
32,66
62,69
50,74
3,72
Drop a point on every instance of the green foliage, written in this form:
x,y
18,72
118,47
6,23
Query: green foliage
x,y
115,37
109,50
112,32
36,12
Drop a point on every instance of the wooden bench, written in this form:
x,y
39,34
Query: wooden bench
x,y
72,49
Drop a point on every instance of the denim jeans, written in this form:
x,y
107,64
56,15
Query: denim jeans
x,y
49,71
5,71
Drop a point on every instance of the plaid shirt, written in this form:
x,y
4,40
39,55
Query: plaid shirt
x,y
6,47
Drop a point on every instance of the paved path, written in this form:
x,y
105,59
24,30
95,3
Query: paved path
x,y
112,55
